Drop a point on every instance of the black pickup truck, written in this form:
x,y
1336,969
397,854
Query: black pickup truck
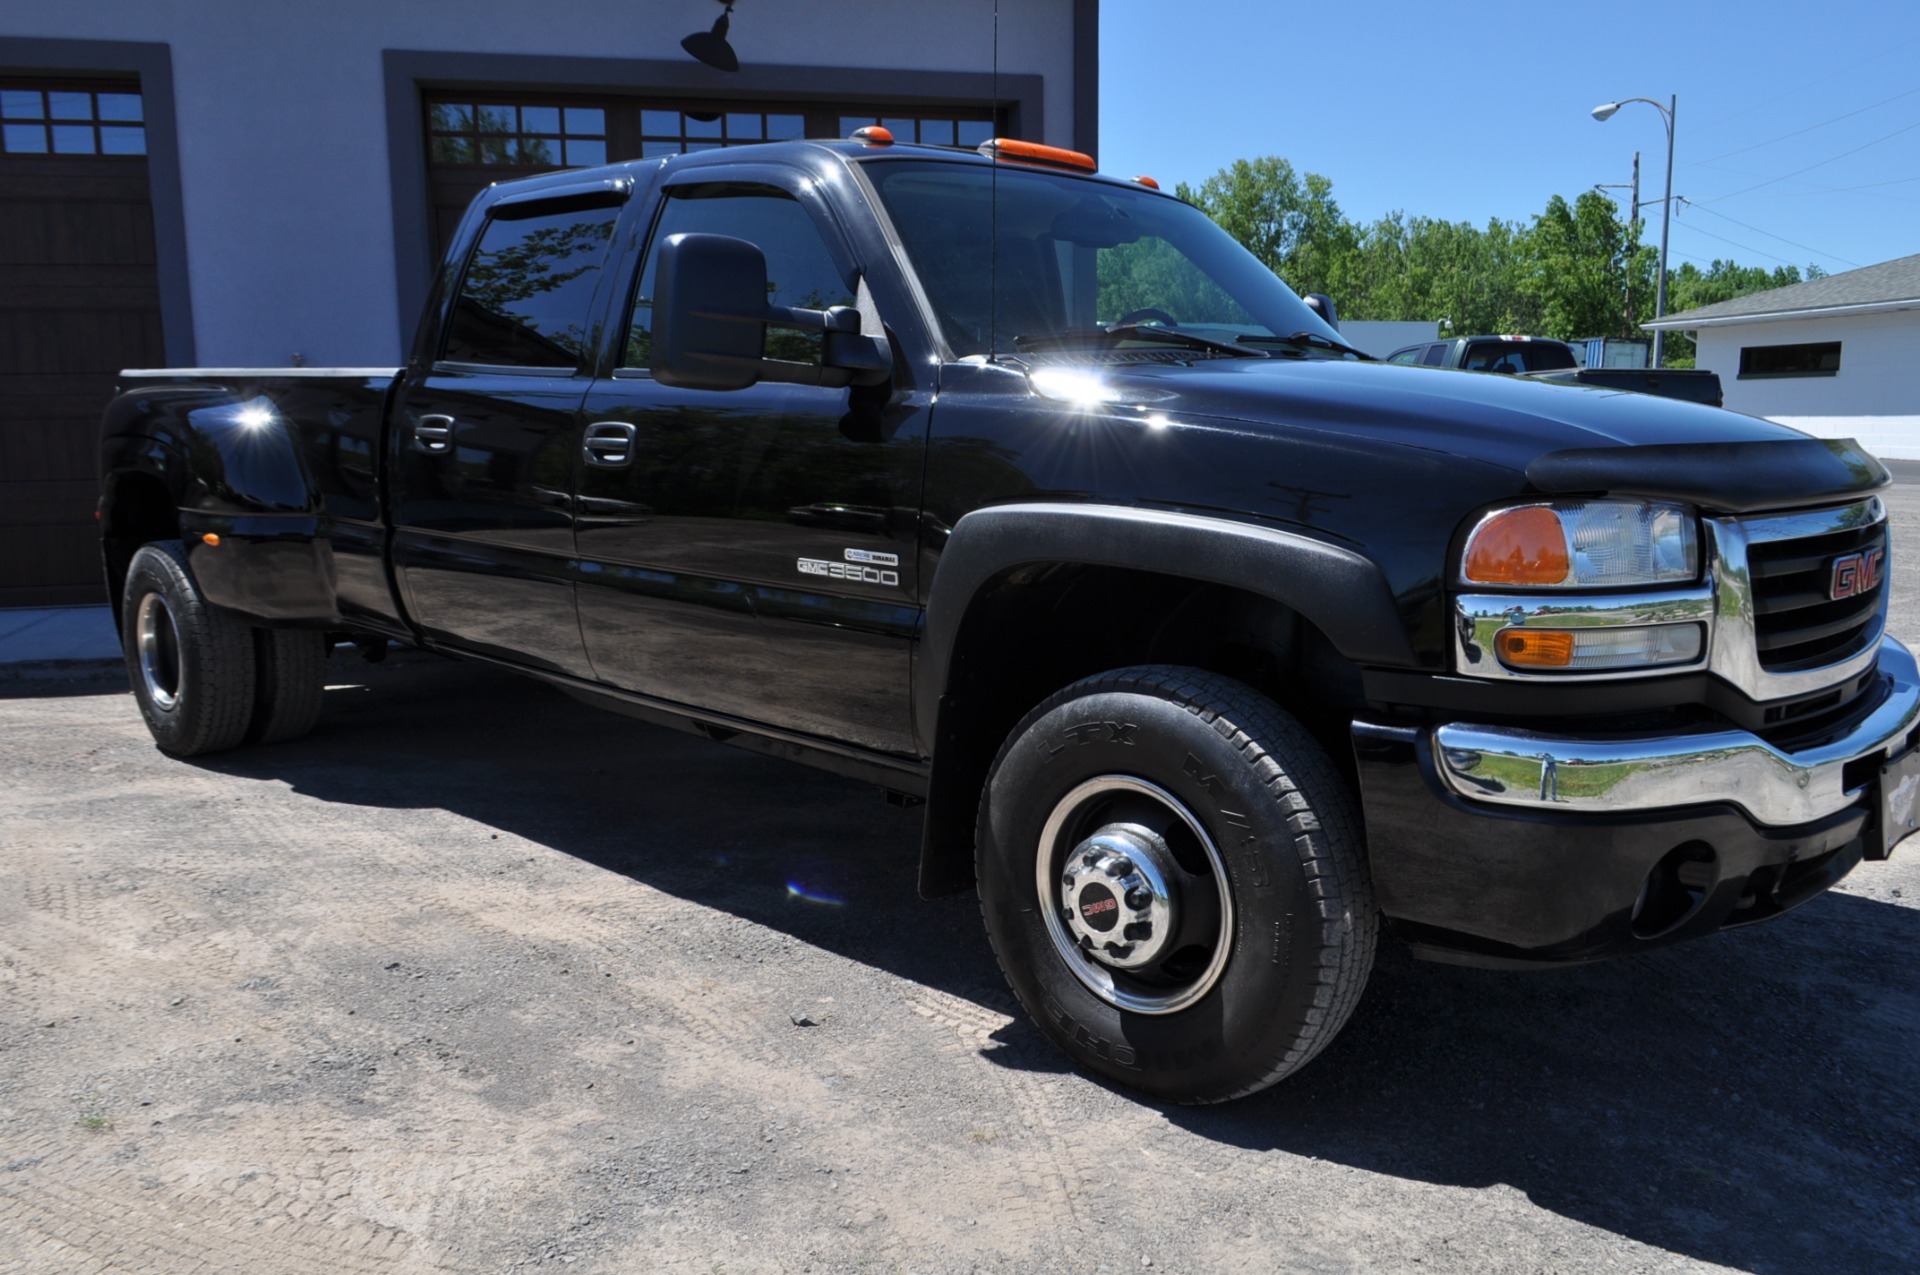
x,y
1209,645
1545,359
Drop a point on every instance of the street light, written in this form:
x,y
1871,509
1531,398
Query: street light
x,y
1603,113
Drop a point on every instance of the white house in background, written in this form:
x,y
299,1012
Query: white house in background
x,y
1834,357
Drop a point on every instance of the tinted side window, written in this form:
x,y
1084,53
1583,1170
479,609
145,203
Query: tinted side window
x,y
527,290
1409,355
800,269
1436,356
1549,356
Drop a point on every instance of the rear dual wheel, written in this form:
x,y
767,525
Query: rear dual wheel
x,y
205,680
1171,872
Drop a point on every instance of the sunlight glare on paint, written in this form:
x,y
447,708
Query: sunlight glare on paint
x,y
1071,385
254,416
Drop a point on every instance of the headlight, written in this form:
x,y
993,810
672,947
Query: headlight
x,y
1583,544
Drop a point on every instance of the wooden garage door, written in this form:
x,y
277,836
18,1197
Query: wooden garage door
x,y
79,300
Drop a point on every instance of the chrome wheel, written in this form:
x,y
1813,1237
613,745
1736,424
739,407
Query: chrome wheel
x,y
1135,895
157,638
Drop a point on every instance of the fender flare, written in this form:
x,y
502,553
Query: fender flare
x,y
1337,589
234,471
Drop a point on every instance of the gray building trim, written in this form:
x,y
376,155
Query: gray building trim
x,y
153,64
1086,77
408,72
1895,283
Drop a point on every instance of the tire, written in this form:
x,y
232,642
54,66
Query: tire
x,y
1173,879
191,665
290,680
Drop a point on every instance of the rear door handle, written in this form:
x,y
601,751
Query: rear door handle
x,y
609,445
433,434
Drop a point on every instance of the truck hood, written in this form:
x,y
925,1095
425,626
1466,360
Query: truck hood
x,y
1564,438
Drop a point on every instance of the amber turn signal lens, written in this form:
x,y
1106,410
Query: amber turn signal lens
x,y
1518,546
1535,648
210,539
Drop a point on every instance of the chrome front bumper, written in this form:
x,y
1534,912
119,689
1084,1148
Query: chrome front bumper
x,y
1510,767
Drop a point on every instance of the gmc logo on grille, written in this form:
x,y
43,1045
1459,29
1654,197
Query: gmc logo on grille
x,y
1856,573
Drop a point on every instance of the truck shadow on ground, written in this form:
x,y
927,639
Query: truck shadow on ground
x,y
1745,1101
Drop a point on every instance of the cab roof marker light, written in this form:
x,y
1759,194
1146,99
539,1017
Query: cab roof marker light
x,y
1148,182
1035,153
874,135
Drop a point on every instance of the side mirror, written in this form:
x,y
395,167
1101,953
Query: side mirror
x,y
1322,304
710,316
709,312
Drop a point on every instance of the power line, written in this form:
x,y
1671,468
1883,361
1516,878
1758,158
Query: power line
x,y
1805,85
1735,243
1808,129
1837,190
1822,164
1769,234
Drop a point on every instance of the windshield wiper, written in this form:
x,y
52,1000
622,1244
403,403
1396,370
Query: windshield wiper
x,y
1313,340
1133,332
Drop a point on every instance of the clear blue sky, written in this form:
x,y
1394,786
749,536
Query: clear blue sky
x,y
1474,111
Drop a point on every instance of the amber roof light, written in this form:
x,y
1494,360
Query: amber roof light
x,y
874,135
1035,153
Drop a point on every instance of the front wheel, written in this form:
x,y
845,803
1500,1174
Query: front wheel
x,y
1172,875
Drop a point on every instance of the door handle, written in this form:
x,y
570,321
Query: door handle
x,y
433,434
609,445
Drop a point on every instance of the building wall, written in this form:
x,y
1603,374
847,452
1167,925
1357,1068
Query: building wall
x,y
1873,397
286,178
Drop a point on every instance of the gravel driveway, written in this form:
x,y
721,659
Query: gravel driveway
x,y
476,979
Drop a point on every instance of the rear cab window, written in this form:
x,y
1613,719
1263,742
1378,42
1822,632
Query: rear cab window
x,y
526,296
1517,356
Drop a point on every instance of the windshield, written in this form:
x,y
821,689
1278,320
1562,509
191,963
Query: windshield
x,y
1075,257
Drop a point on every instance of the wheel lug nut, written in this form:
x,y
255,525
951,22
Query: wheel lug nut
x,y
1120,867
1138,898
1139,931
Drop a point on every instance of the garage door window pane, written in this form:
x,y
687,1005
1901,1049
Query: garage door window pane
x,y
785,128
73,139
25,139
123,141
70,106
524,300
535,135
119,106
22,104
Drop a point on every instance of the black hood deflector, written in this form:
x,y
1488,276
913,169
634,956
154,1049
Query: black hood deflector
x,y
1733,477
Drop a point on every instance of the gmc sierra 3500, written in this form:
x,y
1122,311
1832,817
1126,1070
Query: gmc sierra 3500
x,y
1209,643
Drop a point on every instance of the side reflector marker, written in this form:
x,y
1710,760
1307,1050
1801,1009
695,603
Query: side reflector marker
x,y
210,539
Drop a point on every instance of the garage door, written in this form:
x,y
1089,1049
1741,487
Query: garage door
x,y
79,300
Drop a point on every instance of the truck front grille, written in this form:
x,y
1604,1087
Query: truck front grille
x,y
1797,624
